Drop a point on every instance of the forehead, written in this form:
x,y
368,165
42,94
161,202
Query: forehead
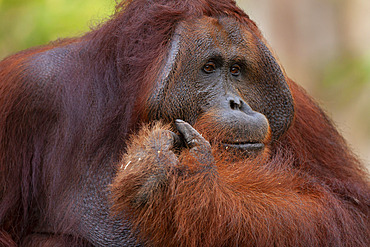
x,y
208,37
225,35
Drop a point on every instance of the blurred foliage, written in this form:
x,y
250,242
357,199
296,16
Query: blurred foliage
x,y
346,77
346,84
27,23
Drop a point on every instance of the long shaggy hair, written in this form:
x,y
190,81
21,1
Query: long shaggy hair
x,y
47,139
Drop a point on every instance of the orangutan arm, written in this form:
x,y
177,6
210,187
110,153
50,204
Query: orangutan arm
x,y
199,198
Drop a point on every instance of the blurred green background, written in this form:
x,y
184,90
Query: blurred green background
x,y
26,23
324,45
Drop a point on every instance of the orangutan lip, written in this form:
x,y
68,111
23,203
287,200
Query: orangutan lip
x,y
247,146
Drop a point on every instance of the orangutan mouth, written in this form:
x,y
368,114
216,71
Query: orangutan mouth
x,y
246,146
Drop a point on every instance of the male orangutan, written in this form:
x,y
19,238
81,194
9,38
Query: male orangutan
x,y
172,124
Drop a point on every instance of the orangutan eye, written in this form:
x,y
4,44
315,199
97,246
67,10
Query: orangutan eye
x,y
209,67
235,70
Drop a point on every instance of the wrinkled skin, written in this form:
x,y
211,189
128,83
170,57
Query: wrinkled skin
x,y
217,70
216,74
223,77
91,158
214,69
215,177
221,67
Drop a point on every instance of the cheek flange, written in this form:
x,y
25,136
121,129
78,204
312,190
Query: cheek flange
x,y
276,101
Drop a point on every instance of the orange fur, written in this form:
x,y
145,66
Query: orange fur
x,y
68,108
270,200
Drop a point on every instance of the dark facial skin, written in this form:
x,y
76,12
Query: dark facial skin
x,y
227,89
219,68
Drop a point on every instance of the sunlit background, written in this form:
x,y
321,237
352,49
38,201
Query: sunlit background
x,y
324,45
